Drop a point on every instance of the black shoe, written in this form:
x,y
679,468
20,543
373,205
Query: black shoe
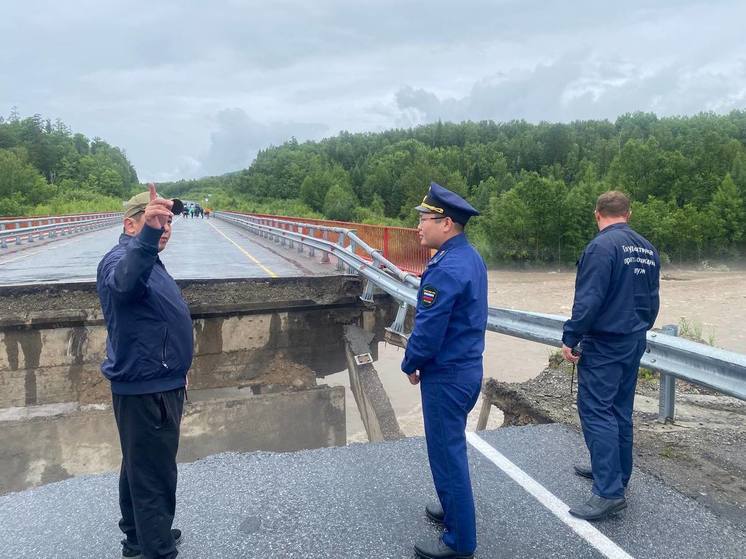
x,y
438,550
434,513
598,508
583,471
132,550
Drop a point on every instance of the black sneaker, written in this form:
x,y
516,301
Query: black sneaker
x,y
132,550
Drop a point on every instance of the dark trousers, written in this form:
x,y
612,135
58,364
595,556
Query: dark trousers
x,y
444,409
148,427
607,376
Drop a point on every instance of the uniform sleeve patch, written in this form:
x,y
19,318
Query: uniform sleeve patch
x,y
429,294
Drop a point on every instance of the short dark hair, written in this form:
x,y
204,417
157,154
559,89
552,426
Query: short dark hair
x,y
613,204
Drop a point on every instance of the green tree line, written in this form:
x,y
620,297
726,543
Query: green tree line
x,y
535,184
45,168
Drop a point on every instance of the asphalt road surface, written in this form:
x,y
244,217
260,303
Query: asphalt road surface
x,y
198,249
366,501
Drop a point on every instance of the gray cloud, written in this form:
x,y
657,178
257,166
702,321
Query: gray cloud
x,y
238,138
189,88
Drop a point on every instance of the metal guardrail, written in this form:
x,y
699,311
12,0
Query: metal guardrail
x,y
673,357
399,245
30,229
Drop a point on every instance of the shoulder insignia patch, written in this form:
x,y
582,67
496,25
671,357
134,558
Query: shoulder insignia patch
x,y
429,294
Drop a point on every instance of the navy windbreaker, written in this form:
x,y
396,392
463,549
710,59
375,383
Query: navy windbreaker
x,y
616,287
149,346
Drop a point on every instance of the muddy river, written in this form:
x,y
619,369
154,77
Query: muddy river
x,y
712,303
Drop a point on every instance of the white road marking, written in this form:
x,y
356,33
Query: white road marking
x,y
581,527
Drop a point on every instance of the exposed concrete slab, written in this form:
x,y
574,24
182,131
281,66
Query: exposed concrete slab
x,y
52,338
263,335
43,444
372,401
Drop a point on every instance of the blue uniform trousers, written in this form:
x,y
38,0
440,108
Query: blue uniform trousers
x,y
607,376
444,408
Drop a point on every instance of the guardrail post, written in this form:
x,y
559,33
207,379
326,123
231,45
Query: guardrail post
x,y
312,234
341,244
667,389
353,247
394,334
325,255
300,241
401,315
368,292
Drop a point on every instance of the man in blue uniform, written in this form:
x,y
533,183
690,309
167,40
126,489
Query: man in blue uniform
x,y
616,303
444,356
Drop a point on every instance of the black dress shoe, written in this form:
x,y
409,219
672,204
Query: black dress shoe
x,y
598,508
583,471
438,550
434,513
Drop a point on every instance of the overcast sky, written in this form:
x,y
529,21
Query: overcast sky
x,y
192,88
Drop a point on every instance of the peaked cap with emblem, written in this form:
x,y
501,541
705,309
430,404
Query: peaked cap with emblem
x,y
440,200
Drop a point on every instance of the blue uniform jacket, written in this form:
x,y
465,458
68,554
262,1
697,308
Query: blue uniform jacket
x,y
616,287
447,342
149,345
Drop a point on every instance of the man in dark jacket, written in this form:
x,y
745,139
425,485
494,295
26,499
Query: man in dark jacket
x,y
616,303
149,350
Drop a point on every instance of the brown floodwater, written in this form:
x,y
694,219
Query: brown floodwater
x,y
712,302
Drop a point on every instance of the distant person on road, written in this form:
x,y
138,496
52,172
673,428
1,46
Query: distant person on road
x,y
149,350
444,356
616,303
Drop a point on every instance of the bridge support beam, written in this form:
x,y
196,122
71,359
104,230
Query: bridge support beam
x,y
372,401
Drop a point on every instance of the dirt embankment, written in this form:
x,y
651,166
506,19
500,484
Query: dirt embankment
x,y
701,454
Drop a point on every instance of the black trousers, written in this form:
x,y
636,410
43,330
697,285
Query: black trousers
x,y
148,427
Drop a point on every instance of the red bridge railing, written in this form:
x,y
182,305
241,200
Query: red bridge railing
x,y
400,245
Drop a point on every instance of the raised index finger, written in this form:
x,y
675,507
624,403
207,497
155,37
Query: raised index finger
x,y
153,193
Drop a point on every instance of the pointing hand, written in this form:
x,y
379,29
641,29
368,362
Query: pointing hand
x,y
158,211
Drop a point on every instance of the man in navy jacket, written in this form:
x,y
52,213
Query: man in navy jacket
x,y
616,303
149,350
444,356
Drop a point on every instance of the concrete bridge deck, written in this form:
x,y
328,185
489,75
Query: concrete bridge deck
x,y
199,248
366,501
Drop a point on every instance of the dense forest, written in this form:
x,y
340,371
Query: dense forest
x,y
47,169
535,184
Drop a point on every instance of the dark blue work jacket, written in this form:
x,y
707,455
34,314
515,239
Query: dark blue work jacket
x,y
149,346
616,287
447,342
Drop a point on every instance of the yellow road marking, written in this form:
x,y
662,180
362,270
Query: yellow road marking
x,y
239,247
